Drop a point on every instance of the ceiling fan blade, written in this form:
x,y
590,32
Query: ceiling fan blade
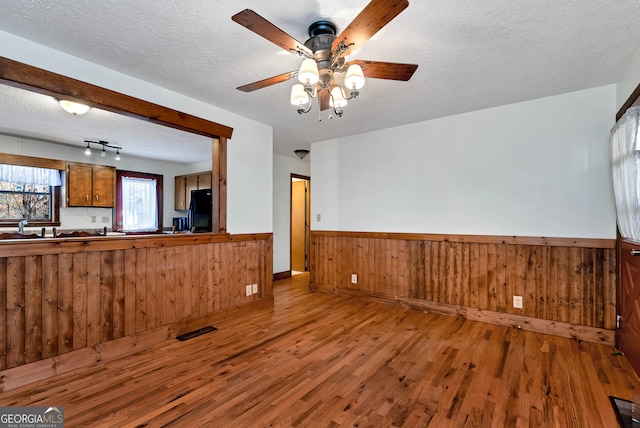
x,y
385,70
373,17
268,82
323,97
254,22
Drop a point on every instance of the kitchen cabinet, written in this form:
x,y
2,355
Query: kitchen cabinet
x,y
90,185
184,184
180,192
191,184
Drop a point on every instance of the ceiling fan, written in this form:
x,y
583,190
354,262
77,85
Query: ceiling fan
x,y
324,74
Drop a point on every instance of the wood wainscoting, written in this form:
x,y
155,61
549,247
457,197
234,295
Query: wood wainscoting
x,y
69,302
568,285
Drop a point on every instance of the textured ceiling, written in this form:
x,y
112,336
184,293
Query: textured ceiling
x,y
471,54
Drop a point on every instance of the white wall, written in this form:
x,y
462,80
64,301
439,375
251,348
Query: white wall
x,y
537,168
249,157
283,167
629,79
325,187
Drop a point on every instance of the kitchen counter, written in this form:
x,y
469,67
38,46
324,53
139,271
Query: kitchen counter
x,y
49,231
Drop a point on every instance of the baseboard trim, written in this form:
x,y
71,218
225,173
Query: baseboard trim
x,y
282,275
555,328
43,369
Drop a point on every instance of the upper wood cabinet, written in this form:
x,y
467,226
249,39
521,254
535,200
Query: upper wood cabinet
x,y
180,192
204,180
185,184
192,184
90,185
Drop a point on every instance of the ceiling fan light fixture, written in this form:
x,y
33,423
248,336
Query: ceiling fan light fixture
x,y
299,96
73,107
354,78
308,73
337,99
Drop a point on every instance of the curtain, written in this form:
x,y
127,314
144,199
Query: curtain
x,y
625,166
139,206
29,175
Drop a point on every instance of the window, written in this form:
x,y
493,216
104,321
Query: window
x,y
138,202
625,168
29,193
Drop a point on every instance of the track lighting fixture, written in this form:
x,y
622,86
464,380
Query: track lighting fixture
x,y
103,152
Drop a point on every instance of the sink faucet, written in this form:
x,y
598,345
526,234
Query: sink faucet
x,y
21,226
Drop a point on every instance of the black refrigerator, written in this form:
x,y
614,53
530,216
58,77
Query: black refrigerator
x,y
200,210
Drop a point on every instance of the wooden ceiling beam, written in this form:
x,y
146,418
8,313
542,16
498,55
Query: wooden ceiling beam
x,y
17,74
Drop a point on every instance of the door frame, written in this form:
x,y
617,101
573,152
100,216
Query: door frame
x,y
307,227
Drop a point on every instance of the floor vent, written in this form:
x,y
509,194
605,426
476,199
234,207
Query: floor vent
x,y
195,333
624,412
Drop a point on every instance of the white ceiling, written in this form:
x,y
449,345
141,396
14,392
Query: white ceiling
x,y
471,54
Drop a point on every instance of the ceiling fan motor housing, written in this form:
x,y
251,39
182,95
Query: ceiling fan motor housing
x,y
323,26
321,36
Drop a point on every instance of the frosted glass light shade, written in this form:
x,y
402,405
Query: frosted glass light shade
x,y
72,107
298,95
308,73
337,99
354,78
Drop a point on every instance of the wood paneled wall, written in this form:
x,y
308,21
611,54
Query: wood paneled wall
x,y
568,285
58,296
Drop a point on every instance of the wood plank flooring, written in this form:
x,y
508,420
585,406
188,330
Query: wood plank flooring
x,y
322,360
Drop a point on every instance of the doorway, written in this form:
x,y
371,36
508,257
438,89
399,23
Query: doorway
x,y
628,330
300,219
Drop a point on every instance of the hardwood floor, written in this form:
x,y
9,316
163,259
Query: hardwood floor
x,y
322,360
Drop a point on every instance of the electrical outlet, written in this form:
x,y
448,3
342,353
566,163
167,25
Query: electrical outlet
x,y
318,218
106,219
255,288
93,219
249,289
517,302
354,278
